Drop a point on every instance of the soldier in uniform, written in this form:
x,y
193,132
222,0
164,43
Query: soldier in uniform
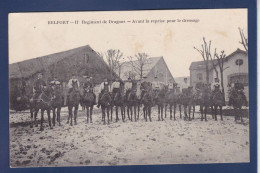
x,y
38,86
55,84
171,85
104,86
88,86
128,86
115,87
156,84
144,86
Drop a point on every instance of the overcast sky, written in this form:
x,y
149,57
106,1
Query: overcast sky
x,y
31,36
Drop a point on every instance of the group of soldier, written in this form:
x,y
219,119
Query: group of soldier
x,y
117,86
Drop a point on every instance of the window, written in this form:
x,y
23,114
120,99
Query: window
x,y
199,76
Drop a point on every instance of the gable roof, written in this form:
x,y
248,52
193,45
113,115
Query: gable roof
x,y
29,67
127,66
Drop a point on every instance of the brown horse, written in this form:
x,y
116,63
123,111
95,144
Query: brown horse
x,y
238,99
160,101
73,102
118,102
57,103
106,103
147,101
88,102
43,103
217,101
187,99
172,97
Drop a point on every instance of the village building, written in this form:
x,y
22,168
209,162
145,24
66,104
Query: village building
x,y
83,61
155,67
235,70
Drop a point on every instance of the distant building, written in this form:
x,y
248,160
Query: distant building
x,y
235,70
156,66
182,82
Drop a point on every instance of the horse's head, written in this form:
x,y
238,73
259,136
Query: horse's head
x,y
75,85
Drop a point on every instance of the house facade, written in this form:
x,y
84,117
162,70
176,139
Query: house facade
x,y
235,70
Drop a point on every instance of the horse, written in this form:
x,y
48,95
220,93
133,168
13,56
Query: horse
x,y
118,101
147,101
217,100
188,102
57,103
159,100
73,102
106,104
237,99
204,100
133,102
172,98
43,102
88,102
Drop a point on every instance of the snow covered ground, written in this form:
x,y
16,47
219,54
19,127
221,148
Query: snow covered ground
x,y
127,143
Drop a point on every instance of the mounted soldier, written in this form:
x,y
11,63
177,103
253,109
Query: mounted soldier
x,y
70,86
145,85
156,85
38,85
128,87
55,83
104,87
115,87
88,86
171,85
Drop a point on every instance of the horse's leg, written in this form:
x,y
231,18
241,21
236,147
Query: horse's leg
x,y
76,114
87,108
138,107
201,111
128,111
206,110
180,110
122,113
240,114
49,118
70,115
215,112
165,107
103,115
35,117
31,111
144,111
162,112
91,110
42,113
220,107
174,110
58,114
193,110
111,113
131,112
149,112
54,116
116,113
158,108
108,115
212,111
189,111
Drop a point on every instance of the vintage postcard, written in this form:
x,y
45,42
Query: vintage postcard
x,y
128,88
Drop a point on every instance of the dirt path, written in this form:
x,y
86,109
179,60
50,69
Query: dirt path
x,y
156,142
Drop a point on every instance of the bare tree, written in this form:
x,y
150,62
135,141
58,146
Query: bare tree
x,y
244,40
220,59
114,60
139,63
205,53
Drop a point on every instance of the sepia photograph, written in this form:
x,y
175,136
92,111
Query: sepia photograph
x,y
112,88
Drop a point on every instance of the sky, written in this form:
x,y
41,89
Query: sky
x,y
167,33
